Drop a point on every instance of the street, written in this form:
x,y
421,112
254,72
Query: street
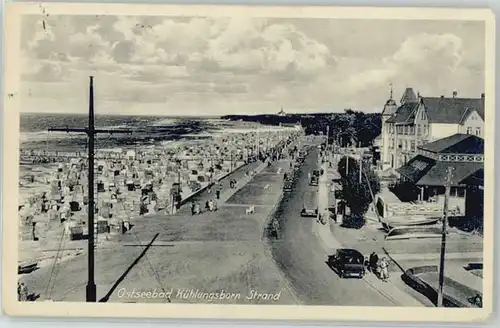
x,y
300,256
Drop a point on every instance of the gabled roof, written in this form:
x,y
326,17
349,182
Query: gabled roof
x,y
457,144
404,113
451,110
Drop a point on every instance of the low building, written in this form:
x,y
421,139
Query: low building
x,y
423,178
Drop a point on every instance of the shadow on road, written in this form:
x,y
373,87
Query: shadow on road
x,y
122,277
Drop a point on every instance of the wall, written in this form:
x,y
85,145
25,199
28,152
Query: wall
x,y
440,130
476,123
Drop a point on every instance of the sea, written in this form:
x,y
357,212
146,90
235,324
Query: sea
x,y
34,130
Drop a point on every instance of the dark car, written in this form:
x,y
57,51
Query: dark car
x,y
310,208
314,181
288,185
348,263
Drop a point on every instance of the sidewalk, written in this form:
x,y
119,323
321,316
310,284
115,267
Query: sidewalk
x,y
435,256
389,290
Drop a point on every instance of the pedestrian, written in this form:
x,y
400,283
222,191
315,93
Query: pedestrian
x,y
19,291
218,190
22,292
384,269
193,205
373,262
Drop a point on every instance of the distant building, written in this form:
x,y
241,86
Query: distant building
x,y
419,120
424,176
281,112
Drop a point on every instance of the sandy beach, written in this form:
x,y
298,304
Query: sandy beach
x,y
138,181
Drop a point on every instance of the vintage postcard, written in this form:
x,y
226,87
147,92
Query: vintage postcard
x,y
248,162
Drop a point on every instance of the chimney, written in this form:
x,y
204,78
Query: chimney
x,y
455,94
482,95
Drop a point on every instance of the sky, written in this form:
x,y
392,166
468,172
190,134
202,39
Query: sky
x,y
216,66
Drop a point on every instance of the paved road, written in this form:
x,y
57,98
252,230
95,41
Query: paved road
x,y
301,257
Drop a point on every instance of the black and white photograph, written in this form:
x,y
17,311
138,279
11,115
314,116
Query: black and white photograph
x,y
204,157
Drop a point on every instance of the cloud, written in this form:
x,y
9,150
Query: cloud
x,y
247,64
429,60
47,71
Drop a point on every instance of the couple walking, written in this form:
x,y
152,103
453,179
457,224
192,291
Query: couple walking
x,y
380,268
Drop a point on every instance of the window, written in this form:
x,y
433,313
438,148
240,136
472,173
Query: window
x,y
404,144
400,145
407,129
413,145
425,130
392,143
419,130
412,130
478,132
469,130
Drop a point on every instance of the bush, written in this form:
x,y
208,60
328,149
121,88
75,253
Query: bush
x,y
353,221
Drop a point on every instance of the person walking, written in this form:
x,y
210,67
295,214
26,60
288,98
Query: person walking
x,y
384,269
373,262
193,205
218,190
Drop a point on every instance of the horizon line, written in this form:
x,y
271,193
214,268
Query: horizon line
x,y
203,116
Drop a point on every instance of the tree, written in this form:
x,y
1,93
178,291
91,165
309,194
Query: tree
x,y
357,195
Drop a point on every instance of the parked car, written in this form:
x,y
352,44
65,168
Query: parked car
x,y
287,185
314,181
348,263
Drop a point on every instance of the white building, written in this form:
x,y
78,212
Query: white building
x,y
419,120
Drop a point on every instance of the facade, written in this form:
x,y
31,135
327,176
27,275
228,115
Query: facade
x,y
419,120
424,177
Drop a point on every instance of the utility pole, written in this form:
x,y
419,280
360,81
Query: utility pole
x,y
347,165
91,132
443,237
231,163
327,135
360,168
